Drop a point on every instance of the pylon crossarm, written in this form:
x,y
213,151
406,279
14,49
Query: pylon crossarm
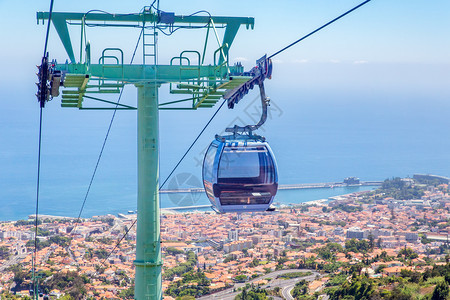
x,y
61,20
212,82
133,74
164,18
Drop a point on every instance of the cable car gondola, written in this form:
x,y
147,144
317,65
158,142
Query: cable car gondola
x,y
240,174
239,170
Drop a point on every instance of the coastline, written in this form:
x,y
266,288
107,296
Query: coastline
x,y
187,209
185,202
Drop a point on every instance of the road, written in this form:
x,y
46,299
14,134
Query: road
x,y
72,257
286,292
16,259
284,284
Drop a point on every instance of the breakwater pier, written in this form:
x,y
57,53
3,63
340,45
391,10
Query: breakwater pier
x,y
286,186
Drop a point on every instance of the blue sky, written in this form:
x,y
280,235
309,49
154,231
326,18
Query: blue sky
x,y
412,31
392,53
397,46
400,31
394,33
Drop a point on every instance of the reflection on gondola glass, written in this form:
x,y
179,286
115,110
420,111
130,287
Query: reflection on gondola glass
x,y
240,175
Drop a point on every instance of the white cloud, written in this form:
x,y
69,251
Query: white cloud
x,y
240,59
360,62
300,61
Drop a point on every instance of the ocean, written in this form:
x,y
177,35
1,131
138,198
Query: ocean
x,y
376,130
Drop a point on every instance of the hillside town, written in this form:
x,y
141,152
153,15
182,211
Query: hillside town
x,y
370,233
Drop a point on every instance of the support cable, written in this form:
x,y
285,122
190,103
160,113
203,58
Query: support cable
x,y
192,145
173,170
36,217
119,241
276,53
104,142
210,120
320,28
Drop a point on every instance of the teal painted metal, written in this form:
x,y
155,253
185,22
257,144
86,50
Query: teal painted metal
x,y
148,243
198,81
116,73
60,20
61,28
35,278
149,49
134,73
202,81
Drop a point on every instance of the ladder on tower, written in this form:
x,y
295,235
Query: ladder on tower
x,y
149,42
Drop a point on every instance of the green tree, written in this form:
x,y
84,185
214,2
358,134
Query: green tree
x,y
371,240
240,278
127,294
193,284
110,221
440,291
60,240
254,263
70,283
101,253
27,223
253,294
19,276
4,252
229,258
356,246
328,252
39,244
182,268
300,289
379,243
400,190
88,254
174,251
348,208
447,277
100,269
408,253
360,287
43,232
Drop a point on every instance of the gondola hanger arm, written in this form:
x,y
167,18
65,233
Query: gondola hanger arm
x,y
260,72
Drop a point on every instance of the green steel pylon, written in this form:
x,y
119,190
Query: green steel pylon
x,y
203,84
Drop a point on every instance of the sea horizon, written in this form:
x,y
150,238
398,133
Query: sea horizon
x,y
169,200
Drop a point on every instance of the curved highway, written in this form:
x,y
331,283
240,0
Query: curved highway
x,y
286,292
286,285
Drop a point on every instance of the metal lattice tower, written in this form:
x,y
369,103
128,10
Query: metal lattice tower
x,y
84,82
